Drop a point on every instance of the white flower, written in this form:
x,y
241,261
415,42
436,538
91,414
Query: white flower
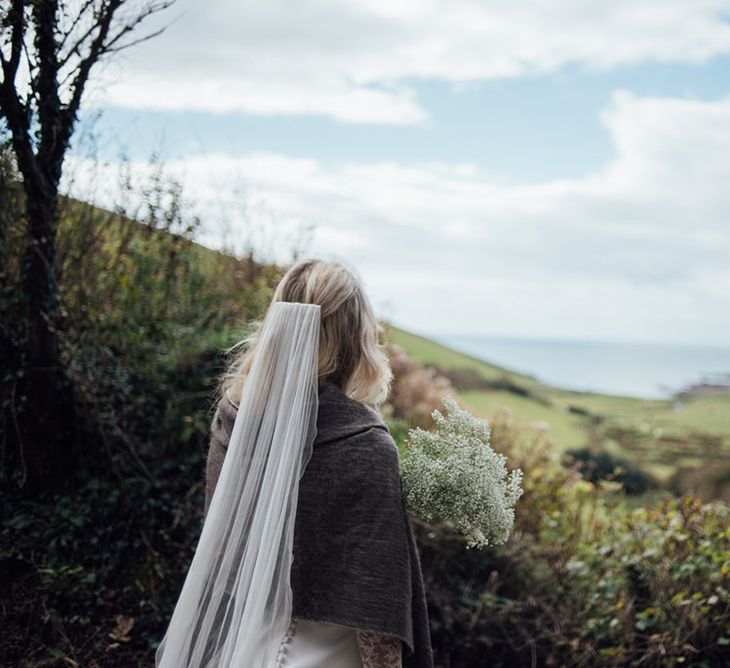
x,y
452,475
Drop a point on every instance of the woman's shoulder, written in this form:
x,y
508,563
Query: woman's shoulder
x,y
354,441
341,417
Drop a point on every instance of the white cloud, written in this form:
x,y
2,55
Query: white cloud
x,y
637,250
353,61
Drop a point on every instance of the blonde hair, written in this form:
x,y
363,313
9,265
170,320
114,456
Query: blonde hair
x,y
351,352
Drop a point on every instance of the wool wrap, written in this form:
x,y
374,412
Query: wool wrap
x,y
355,560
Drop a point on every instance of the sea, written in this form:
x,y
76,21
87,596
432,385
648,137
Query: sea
x,y
646,370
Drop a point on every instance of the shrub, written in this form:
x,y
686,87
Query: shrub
x,y
586,579
602,465
416,391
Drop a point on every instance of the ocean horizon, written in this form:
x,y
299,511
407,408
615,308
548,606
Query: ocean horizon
x,y
645,370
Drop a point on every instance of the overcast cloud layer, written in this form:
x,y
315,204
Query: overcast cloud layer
x,y
637,250
356,61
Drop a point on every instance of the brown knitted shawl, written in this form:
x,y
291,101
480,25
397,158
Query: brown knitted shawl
x,y
355,558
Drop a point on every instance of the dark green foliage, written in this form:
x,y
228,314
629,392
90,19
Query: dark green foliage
x,y
595,466
148,313
469,379
113,548
465,378
585,580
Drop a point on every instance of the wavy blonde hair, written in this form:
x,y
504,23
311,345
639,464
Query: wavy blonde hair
x,y
351,349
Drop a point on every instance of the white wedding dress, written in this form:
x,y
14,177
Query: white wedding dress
x,y
316,645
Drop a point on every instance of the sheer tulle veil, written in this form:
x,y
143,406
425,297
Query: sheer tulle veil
x,y
236,601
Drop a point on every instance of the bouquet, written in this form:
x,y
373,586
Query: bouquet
x,y
452,475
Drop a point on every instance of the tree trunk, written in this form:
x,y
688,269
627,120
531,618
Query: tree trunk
x,y
47,418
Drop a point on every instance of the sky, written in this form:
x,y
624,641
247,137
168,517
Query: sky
x,y
522,169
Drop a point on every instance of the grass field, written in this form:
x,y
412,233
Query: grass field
x,y
666,438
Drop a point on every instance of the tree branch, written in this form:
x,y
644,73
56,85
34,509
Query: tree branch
x,y
42,161
81,12
45,16
17,22
76,48
13,109
103,44
153,8
96,48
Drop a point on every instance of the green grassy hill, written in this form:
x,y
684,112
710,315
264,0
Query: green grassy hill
x,y
673,440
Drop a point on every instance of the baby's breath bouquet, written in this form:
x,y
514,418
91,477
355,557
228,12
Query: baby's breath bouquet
x,y
452,475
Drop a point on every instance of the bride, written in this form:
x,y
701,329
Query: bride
x,y
306,557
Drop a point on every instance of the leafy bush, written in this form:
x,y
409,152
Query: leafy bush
x,y
416,391
147,313
587,578
602,465
114,548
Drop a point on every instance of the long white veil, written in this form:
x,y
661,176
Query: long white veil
x,y
236,601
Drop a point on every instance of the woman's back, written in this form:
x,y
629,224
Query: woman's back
x,y
355,562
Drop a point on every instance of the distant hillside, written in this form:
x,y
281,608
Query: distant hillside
x,y
682,442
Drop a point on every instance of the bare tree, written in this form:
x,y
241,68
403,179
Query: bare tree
x,y
47,51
